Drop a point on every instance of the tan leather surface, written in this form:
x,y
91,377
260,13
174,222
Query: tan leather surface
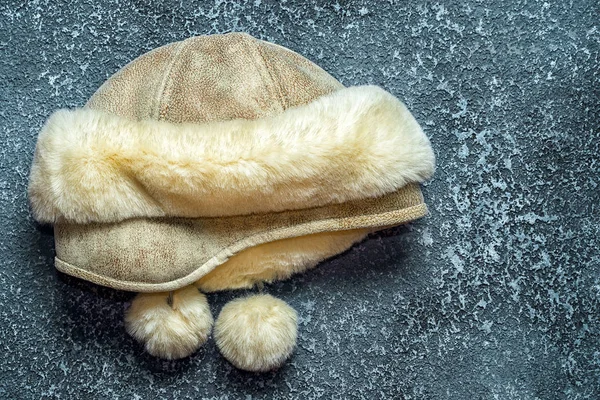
x,y
213,78
218,77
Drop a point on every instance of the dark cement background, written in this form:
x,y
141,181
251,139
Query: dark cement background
x,y
494,296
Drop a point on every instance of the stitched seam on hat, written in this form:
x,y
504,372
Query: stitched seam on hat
x,y
265,66
275,83
160,92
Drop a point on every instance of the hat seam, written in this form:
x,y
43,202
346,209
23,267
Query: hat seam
x,y
164,89
260,69
275,83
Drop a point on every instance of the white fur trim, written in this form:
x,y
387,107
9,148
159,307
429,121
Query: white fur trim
x,y
355,143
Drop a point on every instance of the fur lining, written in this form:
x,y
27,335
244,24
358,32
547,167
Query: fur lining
x,y
359,142
278,260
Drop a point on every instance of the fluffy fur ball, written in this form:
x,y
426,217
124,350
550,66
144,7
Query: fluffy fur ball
x,y
171,326
256,333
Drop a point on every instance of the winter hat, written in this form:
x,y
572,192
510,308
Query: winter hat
x,y
215,163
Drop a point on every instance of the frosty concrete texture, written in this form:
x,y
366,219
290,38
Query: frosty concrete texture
x,y
494,296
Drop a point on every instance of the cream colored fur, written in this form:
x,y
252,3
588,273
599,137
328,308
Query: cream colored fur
x,y
278,260
355,143
170,328
256,333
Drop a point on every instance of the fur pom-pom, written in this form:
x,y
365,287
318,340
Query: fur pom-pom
x,y
172,325
256,333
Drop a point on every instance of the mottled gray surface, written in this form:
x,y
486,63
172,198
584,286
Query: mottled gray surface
x,y
494,296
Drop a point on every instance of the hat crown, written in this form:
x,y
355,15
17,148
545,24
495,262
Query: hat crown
x,y
213,78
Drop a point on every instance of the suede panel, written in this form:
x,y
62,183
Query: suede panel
x,y
136,89
208,78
